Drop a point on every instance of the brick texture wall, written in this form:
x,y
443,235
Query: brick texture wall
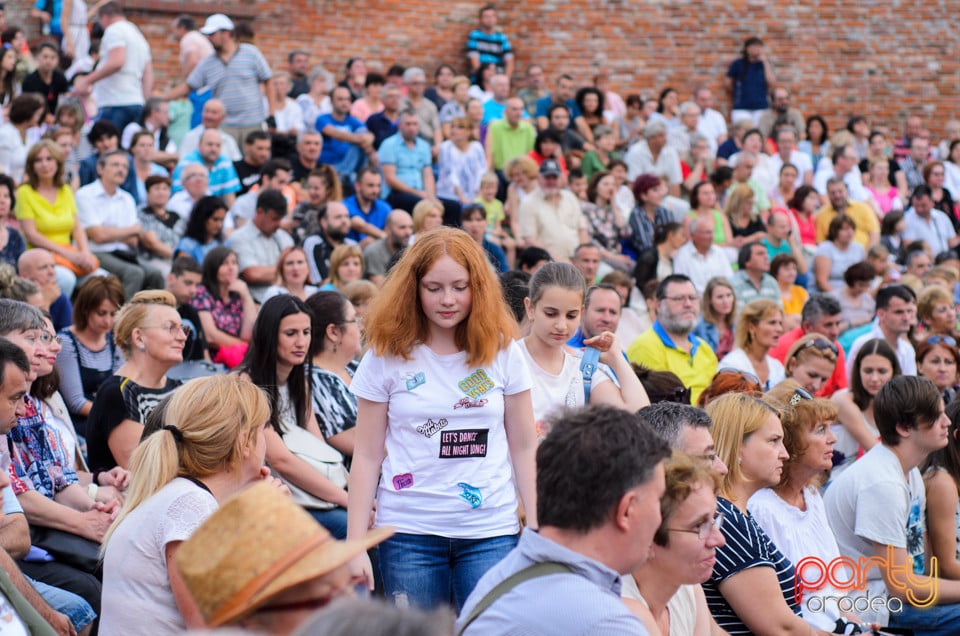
x,y
882,58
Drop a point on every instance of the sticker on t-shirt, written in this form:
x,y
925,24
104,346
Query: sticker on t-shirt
x,y
476,384
470,494
413,380
403,481
430,428
463,444
467,403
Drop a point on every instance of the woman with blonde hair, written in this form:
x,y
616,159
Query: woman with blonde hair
x,y
209,446
346,266
718,308
151,336
758,329
810,362
936,312
751,588
427,215
745,225
444,378
521,172
293,273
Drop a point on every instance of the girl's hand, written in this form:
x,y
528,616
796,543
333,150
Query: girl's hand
x,y
608,345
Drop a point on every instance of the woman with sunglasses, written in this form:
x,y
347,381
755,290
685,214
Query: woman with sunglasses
x,y
937,314
151,336
752,586
791,512
811,361
665,591
758,329
937,358
876,363
941,479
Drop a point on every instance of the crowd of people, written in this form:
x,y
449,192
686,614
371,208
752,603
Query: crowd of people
x,y
269,338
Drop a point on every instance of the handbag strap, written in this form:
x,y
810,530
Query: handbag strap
x,y
531,572
588,365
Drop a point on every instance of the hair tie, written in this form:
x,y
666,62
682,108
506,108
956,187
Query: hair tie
x,y
177,435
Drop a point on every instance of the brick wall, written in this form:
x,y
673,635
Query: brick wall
x,y
878,57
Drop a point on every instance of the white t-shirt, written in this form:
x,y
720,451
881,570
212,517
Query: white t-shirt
x,y
800,534
136,584
553,392
447,471
873,502
682,606
737,359
125,87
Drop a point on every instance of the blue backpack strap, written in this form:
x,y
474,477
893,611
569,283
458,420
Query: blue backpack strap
x,y
588,365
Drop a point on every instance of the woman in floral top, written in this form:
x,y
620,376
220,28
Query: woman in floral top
x,y
607,223
227,310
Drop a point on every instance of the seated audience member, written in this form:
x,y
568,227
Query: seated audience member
x,y
47,79
702,259
226,308
142,162
37,265
216,575
259,243
347,145
151,336
287,121
937,358
752,280
22,113
836,254
927,224
877,509
759,325
652,155
791,512
649,213
320,187
744,212
361,293
208,447
576,529
718,310
857,306
160,228
256,152
89,356
407,170
274,175
475,224
550,217
896,315
368,212
669,344
842,167
865,223
658,263
316,101
386,123
664,592
811,361
12,244
325,230
601,312
782,239
751,588
378,255
108,214
182,282
346,266
204,230
607,223
196,184
305,158
783,269
856,431
104,137
730,381
662,386
935,310
941,482
212,116
223,179
687,430
293,275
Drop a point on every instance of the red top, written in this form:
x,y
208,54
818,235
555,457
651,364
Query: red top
x,y
836,381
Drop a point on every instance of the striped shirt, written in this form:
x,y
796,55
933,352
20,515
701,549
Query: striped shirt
x,y
236,83
223,176
747,546
489,47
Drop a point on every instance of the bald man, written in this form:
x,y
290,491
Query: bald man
x,y
224,182
377,255
37,265
509,137
214,113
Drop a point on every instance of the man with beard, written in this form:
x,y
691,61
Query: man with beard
x,y
368,212
333,220
550,216
669,344
378,254
779,114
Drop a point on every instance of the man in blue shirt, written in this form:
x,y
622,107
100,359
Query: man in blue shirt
x,y
346,142
486,44
563,94
368,212
595,525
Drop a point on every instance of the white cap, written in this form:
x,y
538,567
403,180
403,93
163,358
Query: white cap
x,y
217,22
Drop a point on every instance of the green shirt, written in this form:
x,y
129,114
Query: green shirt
x,y
510,142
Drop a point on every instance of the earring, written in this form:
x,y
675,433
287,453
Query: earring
x,y
142,347
334,348
740,460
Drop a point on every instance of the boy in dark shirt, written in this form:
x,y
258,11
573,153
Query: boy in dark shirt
x,y
182,282
47,80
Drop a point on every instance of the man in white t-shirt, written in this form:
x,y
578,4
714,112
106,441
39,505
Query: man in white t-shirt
x,y
712,124
876,510
124,78
787,152
896,314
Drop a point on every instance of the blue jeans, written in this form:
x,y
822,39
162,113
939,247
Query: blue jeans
x,y
120,116
334,520
939,620
75,608
427,571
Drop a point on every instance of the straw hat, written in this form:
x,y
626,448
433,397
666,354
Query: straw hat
x,y
257,545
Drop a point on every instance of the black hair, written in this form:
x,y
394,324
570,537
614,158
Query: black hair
x,y
888,293
100,129
530,256
548,134
908,401
876,346
374,78
581,96
590,459
745,253
202,210
24,107
515,285
667,420
12,354
260,362
818,306
672,279
272,200
272,166
823,123
328,308
185,264
255,135
211,266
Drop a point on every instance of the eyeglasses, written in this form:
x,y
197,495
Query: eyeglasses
x,y
932,340
46,338
679,299
746,375
680,394
821,344
174,329
703,530
799,393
